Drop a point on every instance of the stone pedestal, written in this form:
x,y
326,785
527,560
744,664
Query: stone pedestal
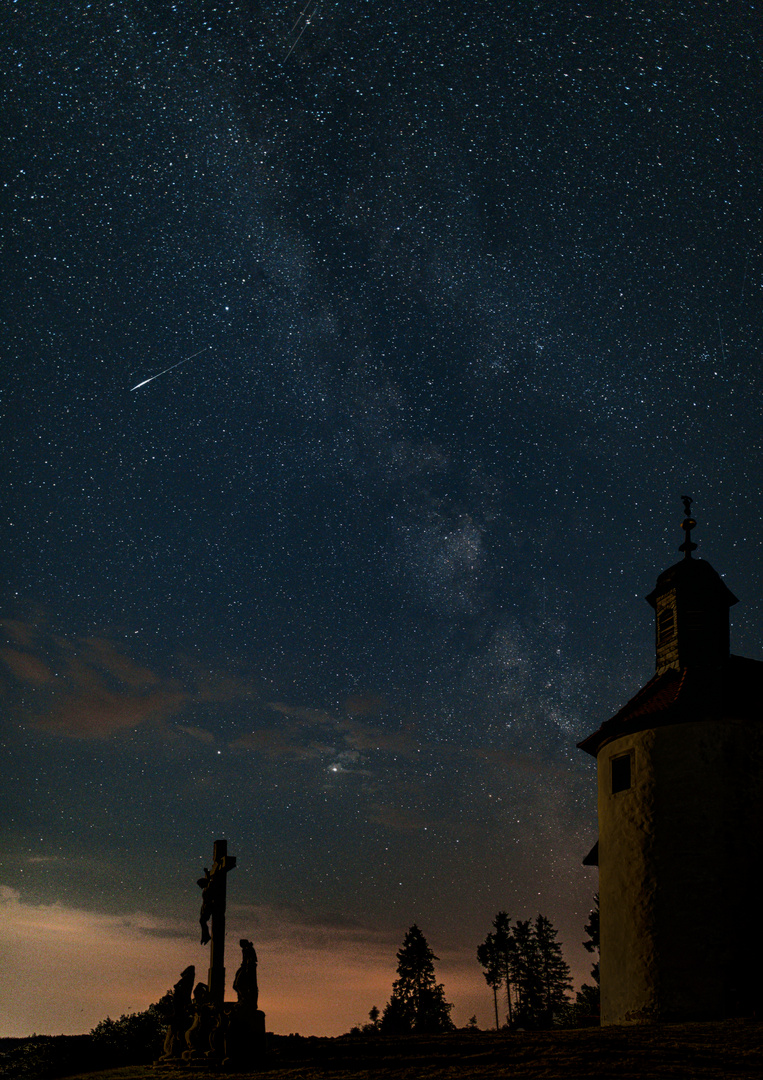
x,y
246,1042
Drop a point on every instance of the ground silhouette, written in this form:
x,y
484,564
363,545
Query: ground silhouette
x,y
705,1051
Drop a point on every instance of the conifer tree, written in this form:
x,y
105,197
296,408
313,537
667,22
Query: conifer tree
x,y
495,955
505,946
417,1002
524,973
528,960
592,929
487,954
588,1000
552,970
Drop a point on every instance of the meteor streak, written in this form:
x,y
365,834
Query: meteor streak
x,y
201,350
308,19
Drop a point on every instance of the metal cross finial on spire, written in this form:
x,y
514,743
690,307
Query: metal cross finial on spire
x,y
687,525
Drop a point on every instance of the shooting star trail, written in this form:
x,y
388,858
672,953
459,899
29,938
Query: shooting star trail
x,y
720,335
183,361
302,15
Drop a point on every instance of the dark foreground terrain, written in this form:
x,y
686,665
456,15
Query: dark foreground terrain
x,y
725,1050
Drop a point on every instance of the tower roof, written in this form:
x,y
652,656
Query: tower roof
x,y
696,575
696,678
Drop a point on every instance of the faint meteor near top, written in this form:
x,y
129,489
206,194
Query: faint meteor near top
x,y
305,19
145,381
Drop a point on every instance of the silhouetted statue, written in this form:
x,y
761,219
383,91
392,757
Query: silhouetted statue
x,y
180,1016
212,887
218,1036
198,1034
245,981
246,1043
207,886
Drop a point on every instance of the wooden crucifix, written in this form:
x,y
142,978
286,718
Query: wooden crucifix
x,y
213,890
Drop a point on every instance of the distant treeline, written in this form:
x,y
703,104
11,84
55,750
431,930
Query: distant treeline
x,y
135,1039
523,965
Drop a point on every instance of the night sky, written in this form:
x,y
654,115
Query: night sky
x,y
474,292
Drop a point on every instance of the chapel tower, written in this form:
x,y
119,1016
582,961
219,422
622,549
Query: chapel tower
x,y
680,803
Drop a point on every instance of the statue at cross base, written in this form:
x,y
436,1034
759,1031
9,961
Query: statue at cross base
x,y
245,982
180,1013
246,1039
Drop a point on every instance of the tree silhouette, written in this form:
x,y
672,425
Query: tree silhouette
x,y
487,954
417,1002
495,955
553,971
588,1000
504,944
592,929
524,974
526,959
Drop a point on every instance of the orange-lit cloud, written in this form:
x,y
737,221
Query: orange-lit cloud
x,y
99,712
27,667
87,687
67,969
91,688
365,704
309,733
102,654
22,633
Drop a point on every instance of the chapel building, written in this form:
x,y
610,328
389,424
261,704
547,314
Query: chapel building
x,y
680,805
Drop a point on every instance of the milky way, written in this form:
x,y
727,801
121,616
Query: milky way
x,y
481,294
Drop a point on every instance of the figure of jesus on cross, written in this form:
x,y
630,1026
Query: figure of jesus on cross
x,y
213,890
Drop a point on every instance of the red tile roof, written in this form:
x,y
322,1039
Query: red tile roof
x,y
678,696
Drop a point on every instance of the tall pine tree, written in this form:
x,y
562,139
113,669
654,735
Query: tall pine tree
x,y
417,1002
505,949
552,969
526,959
489,958
588,1001
524,974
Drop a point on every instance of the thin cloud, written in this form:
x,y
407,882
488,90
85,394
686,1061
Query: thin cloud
x,y
369,737
92,688
104,655
345,742
220,687
298,712
22,633
278,743
26,667
97,712
365,705
197,733
399,819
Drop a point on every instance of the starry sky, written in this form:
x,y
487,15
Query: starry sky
x,y
458,300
